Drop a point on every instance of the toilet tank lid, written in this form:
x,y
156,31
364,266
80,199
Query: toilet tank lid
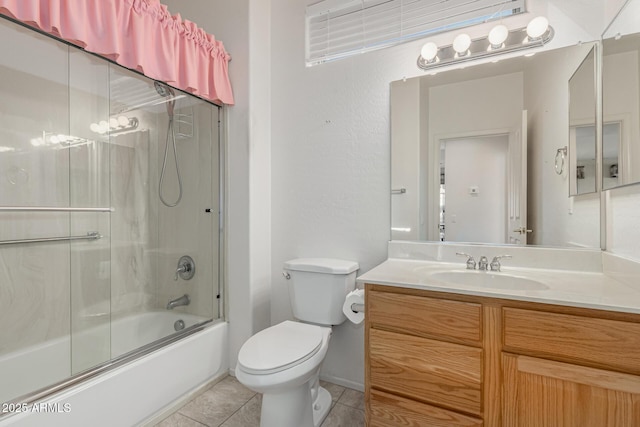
x,y
322,265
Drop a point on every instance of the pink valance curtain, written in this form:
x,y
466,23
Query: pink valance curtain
x,y
138,34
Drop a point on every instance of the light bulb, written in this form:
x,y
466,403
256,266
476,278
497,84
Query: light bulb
x,y
461,43
54,139
113,122
94,127
123,121
498,35
62,138
103,127
537,27
429,51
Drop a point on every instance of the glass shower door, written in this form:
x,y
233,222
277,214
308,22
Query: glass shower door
x,y
88,250
34,175
89,168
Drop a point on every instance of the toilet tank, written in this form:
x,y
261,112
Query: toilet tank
x,y
318,287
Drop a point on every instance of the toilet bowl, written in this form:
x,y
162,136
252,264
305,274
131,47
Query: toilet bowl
x,y
283,363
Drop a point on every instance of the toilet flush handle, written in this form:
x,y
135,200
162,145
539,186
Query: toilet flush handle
x,y
286,275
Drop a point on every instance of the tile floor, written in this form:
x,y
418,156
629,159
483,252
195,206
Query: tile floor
x,y
230,404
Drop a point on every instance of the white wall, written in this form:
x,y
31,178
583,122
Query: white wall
x,y
621,98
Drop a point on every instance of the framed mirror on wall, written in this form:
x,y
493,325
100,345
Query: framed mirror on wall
x,y
582,127
621,98
473,150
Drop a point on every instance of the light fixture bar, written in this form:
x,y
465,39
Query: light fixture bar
x,y
516,40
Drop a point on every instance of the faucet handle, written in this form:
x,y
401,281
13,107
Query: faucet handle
x,y
186,268
471,263
495,262
180,269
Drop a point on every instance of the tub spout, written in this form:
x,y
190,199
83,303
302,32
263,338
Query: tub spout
x,y
183,300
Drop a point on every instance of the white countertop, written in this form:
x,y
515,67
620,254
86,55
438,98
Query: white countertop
x,y
566,287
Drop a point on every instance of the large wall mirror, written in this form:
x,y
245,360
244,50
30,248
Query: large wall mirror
x,y
621,99
473,155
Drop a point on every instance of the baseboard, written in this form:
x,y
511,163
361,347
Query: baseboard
x,y
342,382
181,401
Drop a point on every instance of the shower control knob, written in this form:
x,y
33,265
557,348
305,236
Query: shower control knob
x,y
186,268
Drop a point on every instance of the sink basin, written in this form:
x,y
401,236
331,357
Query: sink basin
x,y
485,279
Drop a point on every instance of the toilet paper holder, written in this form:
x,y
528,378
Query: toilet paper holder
x,y
357,308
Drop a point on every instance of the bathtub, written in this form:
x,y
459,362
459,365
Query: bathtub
x,y
127,395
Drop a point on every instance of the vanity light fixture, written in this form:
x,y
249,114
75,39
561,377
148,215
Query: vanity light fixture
x,y
499,40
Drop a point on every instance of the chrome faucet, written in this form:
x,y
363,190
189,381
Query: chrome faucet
x,y
183,300
483,264
495,262
471,263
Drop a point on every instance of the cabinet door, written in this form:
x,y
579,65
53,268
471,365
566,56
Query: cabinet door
x,y
541,393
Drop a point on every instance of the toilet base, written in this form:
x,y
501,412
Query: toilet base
x,y
295,408
321,406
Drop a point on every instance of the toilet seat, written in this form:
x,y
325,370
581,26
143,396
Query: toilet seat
x,y
280,347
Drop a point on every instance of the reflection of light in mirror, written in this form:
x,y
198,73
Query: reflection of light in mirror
x,y
37,142
401,229
115,124
4,149
103,127
537,27
58,140
122,121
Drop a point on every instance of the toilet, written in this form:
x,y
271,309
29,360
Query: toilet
x,y
283,361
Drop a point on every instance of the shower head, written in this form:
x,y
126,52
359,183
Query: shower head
x,y
163,90
166,92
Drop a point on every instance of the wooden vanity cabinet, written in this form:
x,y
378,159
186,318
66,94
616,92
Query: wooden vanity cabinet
x,y
439,359
423,359
570,369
